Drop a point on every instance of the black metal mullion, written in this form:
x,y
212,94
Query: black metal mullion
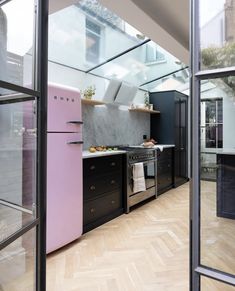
x,y
195,150
118,55
42,80
159,78
18,234
17,88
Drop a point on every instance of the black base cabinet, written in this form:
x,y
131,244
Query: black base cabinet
x,y
165,179
171,127
102,190
226,186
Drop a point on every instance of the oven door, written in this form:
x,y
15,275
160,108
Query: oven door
x,y
150,172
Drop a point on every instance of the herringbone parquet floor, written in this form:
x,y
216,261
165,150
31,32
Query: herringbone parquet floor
x,y
145,250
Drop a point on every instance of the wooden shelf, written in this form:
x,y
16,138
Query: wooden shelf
x,y
92,102
145,110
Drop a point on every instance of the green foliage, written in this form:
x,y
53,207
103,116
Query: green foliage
x,y
89,92
220,57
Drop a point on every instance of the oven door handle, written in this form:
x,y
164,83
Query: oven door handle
x,y
145,162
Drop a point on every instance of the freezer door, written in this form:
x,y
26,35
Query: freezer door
x,y
64,189
64,109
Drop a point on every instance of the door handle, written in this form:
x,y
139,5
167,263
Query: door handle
x,y
75,142
75,121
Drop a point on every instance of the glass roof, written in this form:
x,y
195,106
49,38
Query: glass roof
x,y
89,37
176,81
141,65
87,34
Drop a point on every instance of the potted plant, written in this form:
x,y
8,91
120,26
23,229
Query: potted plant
x,y
89,92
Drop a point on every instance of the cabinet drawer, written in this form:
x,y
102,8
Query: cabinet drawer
x,y
94,166
102,206
165,167
165,154
93,187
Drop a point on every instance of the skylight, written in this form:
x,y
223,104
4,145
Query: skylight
x,y
89,37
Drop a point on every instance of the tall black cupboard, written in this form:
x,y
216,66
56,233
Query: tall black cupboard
x,y
171,127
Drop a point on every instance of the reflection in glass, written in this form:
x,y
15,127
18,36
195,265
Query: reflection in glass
x,y
17,264
178,81
134,67
16,42
85,34
12,220
213,285
18,152
218,175
217,34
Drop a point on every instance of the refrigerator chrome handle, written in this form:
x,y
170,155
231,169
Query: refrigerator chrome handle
x,y
75,142
75,121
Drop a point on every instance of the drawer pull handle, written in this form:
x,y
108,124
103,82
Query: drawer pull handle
x,y
113,182
92,210
92,167
113,164
169,165
113,201
92,188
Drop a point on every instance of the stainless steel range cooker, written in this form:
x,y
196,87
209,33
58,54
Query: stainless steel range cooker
x,y
149,159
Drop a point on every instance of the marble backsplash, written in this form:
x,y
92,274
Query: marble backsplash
x,y
110,125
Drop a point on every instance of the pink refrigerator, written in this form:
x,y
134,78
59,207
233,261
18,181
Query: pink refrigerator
x,y
64,166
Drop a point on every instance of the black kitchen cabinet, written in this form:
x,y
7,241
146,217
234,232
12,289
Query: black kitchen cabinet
x,y
226,186
102,190
165,170
171,127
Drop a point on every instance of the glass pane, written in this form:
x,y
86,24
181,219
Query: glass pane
x,y
18,152
218,175
85,34
177,81
17,264
16,42
12,220
217,34
213,285
140,66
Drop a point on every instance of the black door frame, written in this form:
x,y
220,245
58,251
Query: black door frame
x,y
40,92
196,269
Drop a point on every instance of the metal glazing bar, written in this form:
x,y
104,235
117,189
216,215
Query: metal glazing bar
x,y
118,55
16,207
159,78
216,275
13,98
17,88
216,73
18,234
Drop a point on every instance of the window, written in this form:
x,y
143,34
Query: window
x,y
93,40
213,123
153,55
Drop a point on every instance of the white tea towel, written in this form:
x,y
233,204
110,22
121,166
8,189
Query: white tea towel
x,y
138,178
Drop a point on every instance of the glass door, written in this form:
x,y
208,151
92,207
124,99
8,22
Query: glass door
x,y
213,146
23,87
